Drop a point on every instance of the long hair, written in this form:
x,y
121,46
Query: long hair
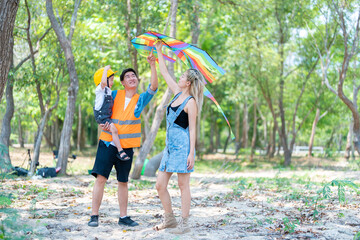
x,y
197,87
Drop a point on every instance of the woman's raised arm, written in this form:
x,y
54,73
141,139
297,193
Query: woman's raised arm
x,y
164,71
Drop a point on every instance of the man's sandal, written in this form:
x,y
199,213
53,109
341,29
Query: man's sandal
x,y
123,156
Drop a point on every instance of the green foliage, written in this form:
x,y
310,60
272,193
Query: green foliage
x,y
289,226
243,38
159,143
11,227
341,184
5,200
357,236
141,185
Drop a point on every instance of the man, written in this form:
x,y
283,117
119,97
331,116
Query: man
x,y
127,109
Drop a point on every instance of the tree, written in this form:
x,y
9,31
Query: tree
x,y
6,122
8,10
160,111
253,140
65,42
338,13
312,136
5,161
48,110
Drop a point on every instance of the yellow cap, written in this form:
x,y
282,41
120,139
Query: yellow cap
x,y
98,75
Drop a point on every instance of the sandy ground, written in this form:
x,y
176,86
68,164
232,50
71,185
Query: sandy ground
x,y
59,208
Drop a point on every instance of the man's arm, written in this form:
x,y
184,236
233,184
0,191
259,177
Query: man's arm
x,y
144,99
154,79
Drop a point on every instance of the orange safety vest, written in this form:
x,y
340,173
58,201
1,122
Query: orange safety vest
x,y
128,126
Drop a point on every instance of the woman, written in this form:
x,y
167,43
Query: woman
x,y
179,153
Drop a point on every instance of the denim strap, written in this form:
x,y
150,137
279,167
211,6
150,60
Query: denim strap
x,y
178,111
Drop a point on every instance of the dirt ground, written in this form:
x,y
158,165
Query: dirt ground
x,y
259,204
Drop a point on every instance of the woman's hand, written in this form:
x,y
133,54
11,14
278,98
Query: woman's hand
x,y
190,161
158,46
105,127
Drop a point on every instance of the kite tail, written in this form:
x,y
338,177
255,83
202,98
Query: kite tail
x,y
209,95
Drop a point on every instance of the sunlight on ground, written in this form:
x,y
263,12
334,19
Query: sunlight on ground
x,y
231,198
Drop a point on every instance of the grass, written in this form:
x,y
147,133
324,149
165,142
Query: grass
x,y
226,163
141,185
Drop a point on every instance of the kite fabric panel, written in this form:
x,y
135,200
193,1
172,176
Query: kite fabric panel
x,y
192,56
209,95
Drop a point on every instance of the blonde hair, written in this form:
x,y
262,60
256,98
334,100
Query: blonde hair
x,y
197,87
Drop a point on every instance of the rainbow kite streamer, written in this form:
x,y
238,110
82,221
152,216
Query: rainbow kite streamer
x,y
192,56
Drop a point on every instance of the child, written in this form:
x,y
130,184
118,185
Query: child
x,y
104,79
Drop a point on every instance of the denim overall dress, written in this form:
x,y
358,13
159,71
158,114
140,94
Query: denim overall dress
x,y
103,115
177,147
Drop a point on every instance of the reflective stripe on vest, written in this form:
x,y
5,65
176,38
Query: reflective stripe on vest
x,y
127,125
124,136
126,122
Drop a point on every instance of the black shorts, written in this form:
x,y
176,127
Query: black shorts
x,y
106,159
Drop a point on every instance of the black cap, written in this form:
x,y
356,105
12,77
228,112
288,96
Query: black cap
x,y
126,71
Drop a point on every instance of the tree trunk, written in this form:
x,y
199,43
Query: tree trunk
x,y
195,24
65,140
47,114
47,135
217,135
21,135
159,115
264,141
253,141
227,141
56,133
195,32
212,130
272,141
5,161
237,130
267,153
282,132
132,51
279,147
8,10
79,129
153,165
147,145
329,142
36,154
127,12
349,140
312,137
245,125
281,45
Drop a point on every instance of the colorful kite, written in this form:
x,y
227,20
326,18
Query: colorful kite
x,y
192,56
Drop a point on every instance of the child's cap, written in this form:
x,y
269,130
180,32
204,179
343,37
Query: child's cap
x,y
98,74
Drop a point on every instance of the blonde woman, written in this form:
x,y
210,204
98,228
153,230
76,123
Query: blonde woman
x,y
179,153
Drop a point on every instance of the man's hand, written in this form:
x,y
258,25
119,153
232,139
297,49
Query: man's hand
x,y
105,127
151,58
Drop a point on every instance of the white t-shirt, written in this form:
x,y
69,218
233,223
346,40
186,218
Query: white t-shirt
x,y
100,96
127,101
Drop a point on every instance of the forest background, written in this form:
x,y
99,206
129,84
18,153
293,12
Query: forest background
x,y
291,73
290,89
